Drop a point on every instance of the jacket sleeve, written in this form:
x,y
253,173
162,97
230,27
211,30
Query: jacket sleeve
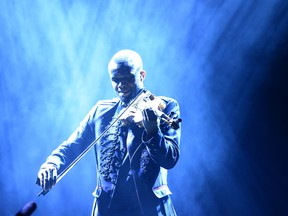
x,y
164,146
75,144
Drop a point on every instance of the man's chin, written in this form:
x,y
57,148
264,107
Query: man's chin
x,y
125,97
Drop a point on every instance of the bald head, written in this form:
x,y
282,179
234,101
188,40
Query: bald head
x,y
126,74
126,60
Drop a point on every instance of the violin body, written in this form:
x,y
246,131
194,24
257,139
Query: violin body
x,y
133,113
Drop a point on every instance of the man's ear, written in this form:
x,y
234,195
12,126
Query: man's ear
x,y
142,75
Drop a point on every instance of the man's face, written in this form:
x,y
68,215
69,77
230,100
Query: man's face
x,y
126,83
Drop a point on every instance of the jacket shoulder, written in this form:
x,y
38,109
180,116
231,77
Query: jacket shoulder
x,y
168,99
102,106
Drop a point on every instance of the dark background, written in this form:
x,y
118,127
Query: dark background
x,y
224,61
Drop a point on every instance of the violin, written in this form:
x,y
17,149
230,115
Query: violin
x,y
145,99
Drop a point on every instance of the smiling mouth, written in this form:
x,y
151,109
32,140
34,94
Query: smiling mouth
x,y
124,93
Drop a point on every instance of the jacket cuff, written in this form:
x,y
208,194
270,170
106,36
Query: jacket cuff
x,y
152,141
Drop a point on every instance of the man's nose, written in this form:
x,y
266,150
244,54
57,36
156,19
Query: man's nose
x,y
122,84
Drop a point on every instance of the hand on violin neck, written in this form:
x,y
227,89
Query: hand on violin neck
x,y
150,121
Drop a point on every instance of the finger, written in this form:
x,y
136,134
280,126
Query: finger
x,y
40,174
45,183
145,115
45,180
50,173
53,177
39,178
49,181
151,115
42,177
38,181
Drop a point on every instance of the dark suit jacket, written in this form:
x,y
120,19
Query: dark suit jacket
x,y
149,159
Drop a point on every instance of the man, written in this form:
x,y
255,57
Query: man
x,y
131,159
